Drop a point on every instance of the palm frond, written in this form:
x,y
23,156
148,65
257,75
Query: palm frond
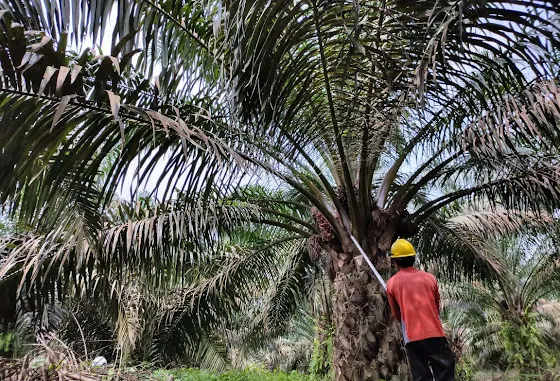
x,y
483,221
160,242
170,33
75,116
448,254
212,354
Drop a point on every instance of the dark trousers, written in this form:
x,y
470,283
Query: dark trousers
x,y
431,359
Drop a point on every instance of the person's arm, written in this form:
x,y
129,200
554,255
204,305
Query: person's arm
x,y
395,309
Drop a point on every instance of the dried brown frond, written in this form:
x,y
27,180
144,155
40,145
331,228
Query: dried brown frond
x,y
314,248
49,360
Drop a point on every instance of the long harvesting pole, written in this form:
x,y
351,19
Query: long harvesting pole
x,y
377,275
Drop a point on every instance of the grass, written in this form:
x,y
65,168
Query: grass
x,y
244,375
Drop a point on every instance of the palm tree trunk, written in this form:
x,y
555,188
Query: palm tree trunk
x,y
367,341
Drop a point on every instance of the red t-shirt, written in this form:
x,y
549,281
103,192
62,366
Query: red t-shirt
x,y
414,300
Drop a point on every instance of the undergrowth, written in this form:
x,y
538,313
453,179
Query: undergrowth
x,y
245,375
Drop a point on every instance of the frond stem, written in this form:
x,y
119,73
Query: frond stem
x,y
353,204
440,202
287,216
176,22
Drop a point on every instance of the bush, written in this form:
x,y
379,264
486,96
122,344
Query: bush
x,y
544,375
464,370
525,348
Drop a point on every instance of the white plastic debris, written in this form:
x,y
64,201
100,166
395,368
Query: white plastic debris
x,y
99,361
37,362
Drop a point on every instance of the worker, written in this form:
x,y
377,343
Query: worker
x,y
414,300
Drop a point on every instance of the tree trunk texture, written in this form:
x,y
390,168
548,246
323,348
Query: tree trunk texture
x,y
367,340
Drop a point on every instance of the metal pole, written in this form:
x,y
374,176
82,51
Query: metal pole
x,y
377,275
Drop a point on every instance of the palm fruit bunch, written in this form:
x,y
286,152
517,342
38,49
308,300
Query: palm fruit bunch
x,y
326,231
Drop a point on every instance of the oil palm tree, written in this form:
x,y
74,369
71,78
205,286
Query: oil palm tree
x,y
502,321
239,288
362,108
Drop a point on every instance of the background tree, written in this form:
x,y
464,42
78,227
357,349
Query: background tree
x,y
240,288
502,323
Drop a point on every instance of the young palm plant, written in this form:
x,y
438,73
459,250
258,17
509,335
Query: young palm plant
x,y
362,108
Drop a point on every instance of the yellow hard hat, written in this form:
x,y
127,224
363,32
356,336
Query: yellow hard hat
x,y
402,248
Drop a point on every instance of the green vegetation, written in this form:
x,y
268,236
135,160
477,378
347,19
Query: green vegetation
x,y
247,375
